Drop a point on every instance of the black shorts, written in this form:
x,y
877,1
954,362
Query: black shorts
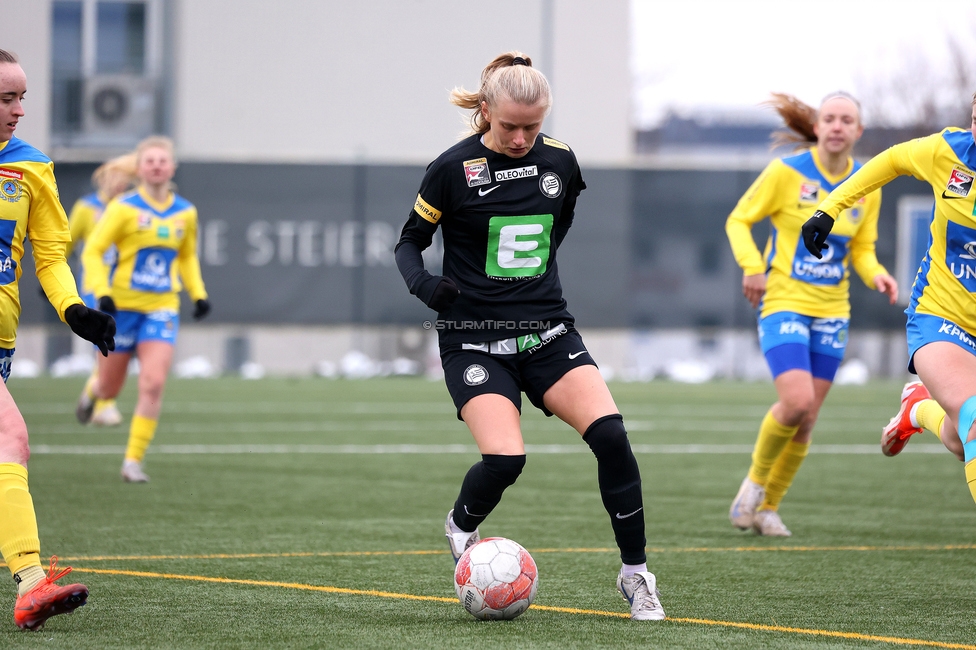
x,y
469,373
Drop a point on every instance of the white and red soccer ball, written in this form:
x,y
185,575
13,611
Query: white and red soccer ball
x,y
496,579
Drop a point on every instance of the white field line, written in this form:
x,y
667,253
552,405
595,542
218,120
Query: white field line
x,y
842,450
733,411
446,424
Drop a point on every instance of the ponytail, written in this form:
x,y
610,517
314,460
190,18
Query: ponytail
x,y
509,75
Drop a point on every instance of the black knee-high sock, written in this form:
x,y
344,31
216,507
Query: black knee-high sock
x,y
620,485
483,486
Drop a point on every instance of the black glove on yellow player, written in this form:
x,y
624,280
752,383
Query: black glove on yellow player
x,y
107,305
92,325
815,232
201,308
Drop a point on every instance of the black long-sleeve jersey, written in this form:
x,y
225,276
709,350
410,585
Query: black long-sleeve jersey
x,y
502,220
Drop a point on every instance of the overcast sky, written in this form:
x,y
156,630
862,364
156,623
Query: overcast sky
x,y
735,52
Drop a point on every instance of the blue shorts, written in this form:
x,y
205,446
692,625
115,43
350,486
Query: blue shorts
x,y
925,328
90,300
6,358
133,328
793,341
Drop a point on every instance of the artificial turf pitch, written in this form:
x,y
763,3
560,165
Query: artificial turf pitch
x,y
309,513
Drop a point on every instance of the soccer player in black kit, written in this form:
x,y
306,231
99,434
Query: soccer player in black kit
x,y
504,198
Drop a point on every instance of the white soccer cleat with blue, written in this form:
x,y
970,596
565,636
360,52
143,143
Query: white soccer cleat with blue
x,y
640,590
458,540
746,502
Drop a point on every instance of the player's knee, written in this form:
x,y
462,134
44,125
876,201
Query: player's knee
x,y
797,407
13,437
504,470
607,436
151,386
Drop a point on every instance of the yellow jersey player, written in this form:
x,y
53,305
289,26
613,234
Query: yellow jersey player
x,y
30,209
802,301
110,179
941,324
155,232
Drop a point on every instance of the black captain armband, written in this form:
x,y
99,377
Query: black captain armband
x,y
815,231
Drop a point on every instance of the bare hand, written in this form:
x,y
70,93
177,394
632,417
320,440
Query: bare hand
x,y
753,288
888,286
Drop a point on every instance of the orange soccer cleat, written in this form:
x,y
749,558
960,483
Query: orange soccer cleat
x,y
895,435
47,599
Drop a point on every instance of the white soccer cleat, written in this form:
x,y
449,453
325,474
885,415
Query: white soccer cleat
x,y
768,524
640,590
107,416
459,541
132,472
745,503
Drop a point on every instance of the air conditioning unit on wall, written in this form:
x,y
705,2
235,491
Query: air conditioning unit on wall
x,y
118,109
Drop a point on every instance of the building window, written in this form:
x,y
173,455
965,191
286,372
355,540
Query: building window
x,y
121,38
105,73
66,64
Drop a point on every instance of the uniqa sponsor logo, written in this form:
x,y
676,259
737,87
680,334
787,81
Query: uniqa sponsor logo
x,y
149,279
831,271
963,272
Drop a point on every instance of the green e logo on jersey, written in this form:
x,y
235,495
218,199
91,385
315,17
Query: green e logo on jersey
x,y
518,247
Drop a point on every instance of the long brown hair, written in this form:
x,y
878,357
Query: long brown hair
x,y
799,118
509,75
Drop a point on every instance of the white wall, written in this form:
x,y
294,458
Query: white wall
x,y
25,29
340,81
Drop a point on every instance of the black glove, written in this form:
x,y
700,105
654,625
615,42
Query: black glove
x,y
444,294
107,305
815,232
201,308
92,325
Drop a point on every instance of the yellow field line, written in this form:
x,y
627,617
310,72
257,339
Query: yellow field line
x,y
545,608
731,549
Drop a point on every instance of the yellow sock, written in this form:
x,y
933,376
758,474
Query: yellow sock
x,y
930,415
19,543
103,403
773,437
141,433
782,474
971,477
88,386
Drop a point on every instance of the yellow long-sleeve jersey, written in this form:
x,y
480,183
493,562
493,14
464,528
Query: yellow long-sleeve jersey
x,y
157,248
30,208
84,214
945,285
787,192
